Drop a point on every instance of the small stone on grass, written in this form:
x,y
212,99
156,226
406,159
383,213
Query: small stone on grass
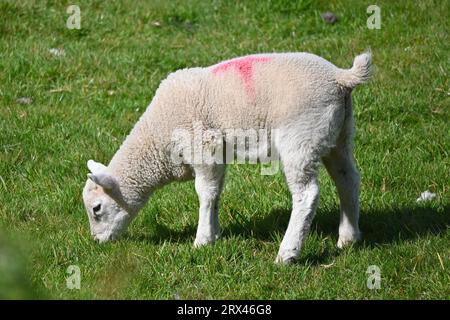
x,y
426,196
24,100
57,52
329,17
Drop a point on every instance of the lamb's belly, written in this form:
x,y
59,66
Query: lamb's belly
x,y
249,146
232,145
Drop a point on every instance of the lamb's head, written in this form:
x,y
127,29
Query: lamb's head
x,y
105,206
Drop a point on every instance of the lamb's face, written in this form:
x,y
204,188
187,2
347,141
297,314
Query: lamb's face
x,y
107,219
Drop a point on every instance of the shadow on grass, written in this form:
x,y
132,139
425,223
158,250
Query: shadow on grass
x,y
378,226
161,233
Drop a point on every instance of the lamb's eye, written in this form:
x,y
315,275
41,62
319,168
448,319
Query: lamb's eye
x,y
96,209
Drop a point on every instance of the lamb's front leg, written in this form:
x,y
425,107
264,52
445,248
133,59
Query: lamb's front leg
x,y
208,185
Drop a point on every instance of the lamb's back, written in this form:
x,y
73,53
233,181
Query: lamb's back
x,y
254,91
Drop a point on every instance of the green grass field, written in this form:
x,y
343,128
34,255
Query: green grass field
x,y
85,102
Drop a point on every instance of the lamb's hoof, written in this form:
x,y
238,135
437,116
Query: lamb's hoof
x,y
286,257
345,240
203,241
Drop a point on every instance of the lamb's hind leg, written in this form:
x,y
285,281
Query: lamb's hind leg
x,y
341,166
302,181
208,185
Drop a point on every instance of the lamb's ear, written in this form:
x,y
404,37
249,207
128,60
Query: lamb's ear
x,y
95,167
106,181
100,176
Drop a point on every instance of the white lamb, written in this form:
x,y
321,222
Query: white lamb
x,y
304,97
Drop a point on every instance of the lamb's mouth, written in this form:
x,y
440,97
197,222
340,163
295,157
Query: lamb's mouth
x,y
101,238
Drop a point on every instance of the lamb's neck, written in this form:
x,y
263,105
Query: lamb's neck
x,y
140,165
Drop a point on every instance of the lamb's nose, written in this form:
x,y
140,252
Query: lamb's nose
x,y
96,239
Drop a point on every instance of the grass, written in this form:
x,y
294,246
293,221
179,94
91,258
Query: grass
x,y
85,102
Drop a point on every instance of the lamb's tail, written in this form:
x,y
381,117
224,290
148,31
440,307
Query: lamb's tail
x,y
359,73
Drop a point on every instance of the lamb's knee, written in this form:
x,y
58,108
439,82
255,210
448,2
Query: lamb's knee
x,y
353,174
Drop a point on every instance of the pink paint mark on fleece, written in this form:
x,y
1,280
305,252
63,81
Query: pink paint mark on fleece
x,y
244,66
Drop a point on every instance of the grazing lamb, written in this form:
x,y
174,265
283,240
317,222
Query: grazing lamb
x,y
304,97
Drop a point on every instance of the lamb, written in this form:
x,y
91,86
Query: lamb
x,y
305,98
